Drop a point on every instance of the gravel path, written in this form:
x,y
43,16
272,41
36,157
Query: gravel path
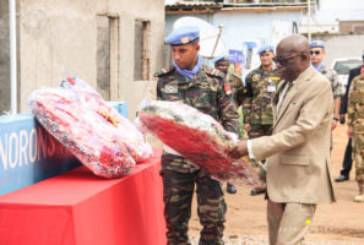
x,y
263,240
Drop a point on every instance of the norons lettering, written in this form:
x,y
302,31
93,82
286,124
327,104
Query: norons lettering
x,y
27,146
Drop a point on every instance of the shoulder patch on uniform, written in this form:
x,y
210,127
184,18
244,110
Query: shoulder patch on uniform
x,y
227,89
164,71
256,76
276,79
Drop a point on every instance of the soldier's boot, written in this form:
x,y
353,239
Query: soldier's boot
x,y
230,188
360,197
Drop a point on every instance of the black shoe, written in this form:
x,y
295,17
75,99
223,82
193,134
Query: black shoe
x,y
342,178
230,188
255,192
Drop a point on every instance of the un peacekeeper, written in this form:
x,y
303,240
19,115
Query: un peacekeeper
x,y
222,64
317,53
191,82
356,130
257,108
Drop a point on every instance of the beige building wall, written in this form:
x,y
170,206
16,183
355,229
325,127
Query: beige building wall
x,y
59,38
4,58
351,27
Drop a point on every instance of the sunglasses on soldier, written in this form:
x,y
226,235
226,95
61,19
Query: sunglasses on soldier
x,y
316,52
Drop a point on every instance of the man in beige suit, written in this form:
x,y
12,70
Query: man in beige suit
x,y
298,155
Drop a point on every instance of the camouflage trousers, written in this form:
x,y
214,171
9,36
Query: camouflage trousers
x,y
358,156
242,133
178,190
257,130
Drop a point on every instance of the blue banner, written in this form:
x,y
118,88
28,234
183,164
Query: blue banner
x,y
28,154
235,56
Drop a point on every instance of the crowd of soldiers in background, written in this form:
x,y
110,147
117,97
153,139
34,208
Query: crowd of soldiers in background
x,y
253,99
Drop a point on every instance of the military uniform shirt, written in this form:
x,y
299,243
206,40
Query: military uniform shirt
x,y
356,120
334,80
236,86
356,104
257,106
206,92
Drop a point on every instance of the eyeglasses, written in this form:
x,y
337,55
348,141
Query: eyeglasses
x,y
317,52
284,61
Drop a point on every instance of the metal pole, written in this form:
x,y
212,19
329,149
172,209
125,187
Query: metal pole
x,y
309,20
217,40
13,69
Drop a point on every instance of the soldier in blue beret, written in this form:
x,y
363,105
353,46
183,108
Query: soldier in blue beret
x,y
222,64
317,53
183,35
317,44
204,88
223,57
260,86
266,48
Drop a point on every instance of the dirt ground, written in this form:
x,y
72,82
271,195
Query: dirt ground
x,y
339,223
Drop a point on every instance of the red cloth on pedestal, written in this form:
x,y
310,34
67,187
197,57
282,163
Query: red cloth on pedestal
x,y
79,208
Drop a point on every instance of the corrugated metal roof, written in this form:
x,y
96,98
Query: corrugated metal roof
x,y
211,6
170,3
227,4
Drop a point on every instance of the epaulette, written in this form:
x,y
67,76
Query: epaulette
x,y
164,71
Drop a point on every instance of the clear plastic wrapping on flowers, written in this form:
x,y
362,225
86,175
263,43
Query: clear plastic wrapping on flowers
x,y
95,133
133,138
198,137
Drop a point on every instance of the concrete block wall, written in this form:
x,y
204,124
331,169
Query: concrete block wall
x,y
58,38
4,57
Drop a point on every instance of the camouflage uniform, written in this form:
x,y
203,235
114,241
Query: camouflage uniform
x,y
356,120
238,91
257,107
332,76
236,85
209,94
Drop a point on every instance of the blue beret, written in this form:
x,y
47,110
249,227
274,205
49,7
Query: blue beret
x,y
266,48
183,35
221,58
317,44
